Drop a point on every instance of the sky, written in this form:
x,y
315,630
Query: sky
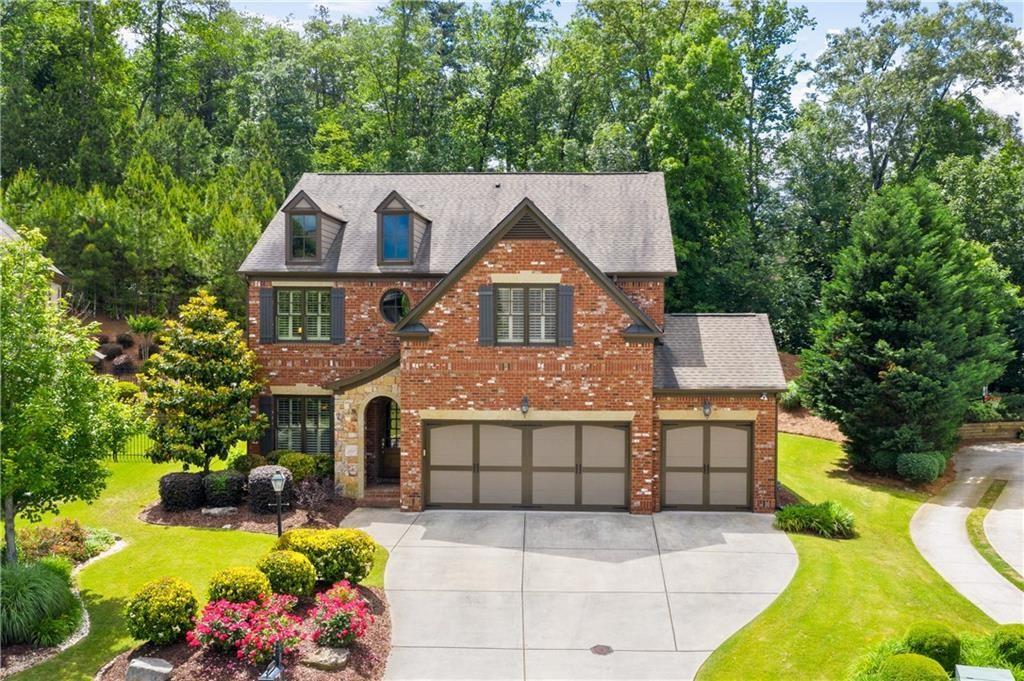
x,y
830,16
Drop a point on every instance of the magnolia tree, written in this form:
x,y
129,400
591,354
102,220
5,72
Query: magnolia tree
x,y
200,386
58,419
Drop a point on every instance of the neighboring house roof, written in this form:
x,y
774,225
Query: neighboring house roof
x,y
7,233
619,220
644,326
717,352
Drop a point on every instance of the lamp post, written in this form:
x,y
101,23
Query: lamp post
x,y
277,482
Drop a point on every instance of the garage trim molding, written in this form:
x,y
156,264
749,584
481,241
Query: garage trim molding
x,y
717,414
534,415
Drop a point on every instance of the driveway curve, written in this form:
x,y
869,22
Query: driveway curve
x,y
939,528
543,595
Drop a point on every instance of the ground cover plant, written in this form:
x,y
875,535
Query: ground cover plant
x,y
848,596
976,533
67,538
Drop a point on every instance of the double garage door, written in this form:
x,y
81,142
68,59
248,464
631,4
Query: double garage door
x,y
706,466
491,465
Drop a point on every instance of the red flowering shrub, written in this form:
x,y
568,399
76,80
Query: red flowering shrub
x,y
251,628
340,616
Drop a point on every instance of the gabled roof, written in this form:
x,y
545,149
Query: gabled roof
x,y
644,326
320,205
7,233
717,352
619,220
406,204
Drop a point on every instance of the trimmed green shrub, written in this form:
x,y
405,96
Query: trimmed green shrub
x,y
126,391
324,466
335,554
289,572
224,488
262,498
59,565
920,467
30,594
238,585
791,400
936,641
301,465
883,461
181,491
983,411
912,667
1009,641
243,463
161,611
827,519
1012,406
52,631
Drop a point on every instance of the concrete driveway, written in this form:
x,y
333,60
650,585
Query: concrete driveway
x,y
534,595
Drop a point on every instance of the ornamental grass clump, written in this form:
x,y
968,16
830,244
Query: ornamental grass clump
x,y
828,519
250,629
31,595
341,616
161,611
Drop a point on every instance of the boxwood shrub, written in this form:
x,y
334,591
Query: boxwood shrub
x,y
1009,641
324,466
289,572
936,641
827,519
161,611
181,491
335,554
238,585
912,667
262,498
302,466
244,463
921,467
31,594
224,488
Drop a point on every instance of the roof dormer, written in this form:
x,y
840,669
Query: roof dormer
x,y
310,227
400,228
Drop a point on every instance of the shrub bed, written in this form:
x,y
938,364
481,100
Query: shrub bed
x,y
262,498
181,491
161,611
301,465
36,605
238,585
335,554
224,488
289,572
111,350
827,519
66,537
252,628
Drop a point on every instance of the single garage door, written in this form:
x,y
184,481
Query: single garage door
x,y
495,465
706,466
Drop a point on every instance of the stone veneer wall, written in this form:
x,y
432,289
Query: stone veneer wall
x,y
349,425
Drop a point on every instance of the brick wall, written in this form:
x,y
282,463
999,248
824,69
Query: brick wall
x,y
765,441
648,295
600,371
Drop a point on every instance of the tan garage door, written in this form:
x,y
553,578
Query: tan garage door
x,y
495,465
706,466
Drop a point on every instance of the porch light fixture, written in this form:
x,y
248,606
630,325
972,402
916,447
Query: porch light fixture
x,y
764,397
524,406
707,408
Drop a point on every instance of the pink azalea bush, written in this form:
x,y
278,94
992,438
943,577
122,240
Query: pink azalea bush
x,y
340,617
251,628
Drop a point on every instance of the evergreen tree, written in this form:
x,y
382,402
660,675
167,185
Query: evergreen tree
x,y
913,326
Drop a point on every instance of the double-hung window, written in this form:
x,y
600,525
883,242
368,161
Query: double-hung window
x,y
526,314
303,314
304,424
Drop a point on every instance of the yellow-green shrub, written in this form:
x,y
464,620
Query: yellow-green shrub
x,y
238,585
335,554
289,572
161,611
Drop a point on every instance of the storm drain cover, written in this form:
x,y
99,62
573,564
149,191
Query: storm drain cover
x,y
602,649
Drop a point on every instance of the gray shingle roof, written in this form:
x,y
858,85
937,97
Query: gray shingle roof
x,y
718,352
7,233
619,220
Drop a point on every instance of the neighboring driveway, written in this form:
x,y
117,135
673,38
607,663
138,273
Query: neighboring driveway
x,y
939,528
526,595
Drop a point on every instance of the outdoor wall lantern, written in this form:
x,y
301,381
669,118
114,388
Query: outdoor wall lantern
x,y
277,482
764,397
524,406
707,408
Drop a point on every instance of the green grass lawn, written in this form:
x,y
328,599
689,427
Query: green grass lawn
x,y
847,595
152,551
976,533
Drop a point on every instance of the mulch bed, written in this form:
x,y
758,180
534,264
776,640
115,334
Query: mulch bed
x,y
21,656
367,658
931,489
327,514
803,422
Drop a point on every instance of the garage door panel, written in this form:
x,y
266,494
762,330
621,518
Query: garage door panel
x,y
554,446
603,489
554,488
451,487
730,446
501,487
684,489
728,489
603,447
451,445
684,447
501,446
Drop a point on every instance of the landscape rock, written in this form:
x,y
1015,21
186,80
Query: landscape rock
x,y
148,669
220,510
327,659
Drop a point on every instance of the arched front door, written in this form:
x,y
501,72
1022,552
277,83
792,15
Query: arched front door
x,y
381,437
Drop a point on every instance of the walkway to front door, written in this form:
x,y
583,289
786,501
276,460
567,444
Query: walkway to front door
x,y
545,595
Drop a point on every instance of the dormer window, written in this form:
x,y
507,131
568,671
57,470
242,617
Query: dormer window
x,y
395,237
304,237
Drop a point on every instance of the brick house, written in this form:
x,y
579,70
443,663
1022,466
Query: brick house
x,y
498,340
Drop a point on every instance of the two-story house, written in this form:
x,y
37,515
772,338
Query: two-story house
x,y
498,341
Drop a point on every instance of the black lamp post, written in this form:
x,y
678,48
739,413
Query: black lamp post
x,y
277,482
274,670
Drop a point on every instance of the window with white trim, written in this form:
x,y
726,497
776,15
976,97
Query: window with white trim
x,y
303,314
526,314
303,424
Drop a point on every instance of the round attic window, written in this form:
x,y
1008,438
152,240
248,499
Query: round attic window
x,y
394,305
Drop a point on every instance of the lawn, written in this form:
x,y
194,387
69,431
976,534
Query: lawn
x,y
847,595
152,551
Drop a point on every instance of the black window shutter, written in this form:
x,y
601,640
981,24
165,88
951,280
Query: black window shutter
x,y
267,409
337,315
565,315
266,315
487,315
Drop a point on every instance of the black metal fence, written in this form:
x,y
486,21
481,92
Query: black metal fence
x,y
135,448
